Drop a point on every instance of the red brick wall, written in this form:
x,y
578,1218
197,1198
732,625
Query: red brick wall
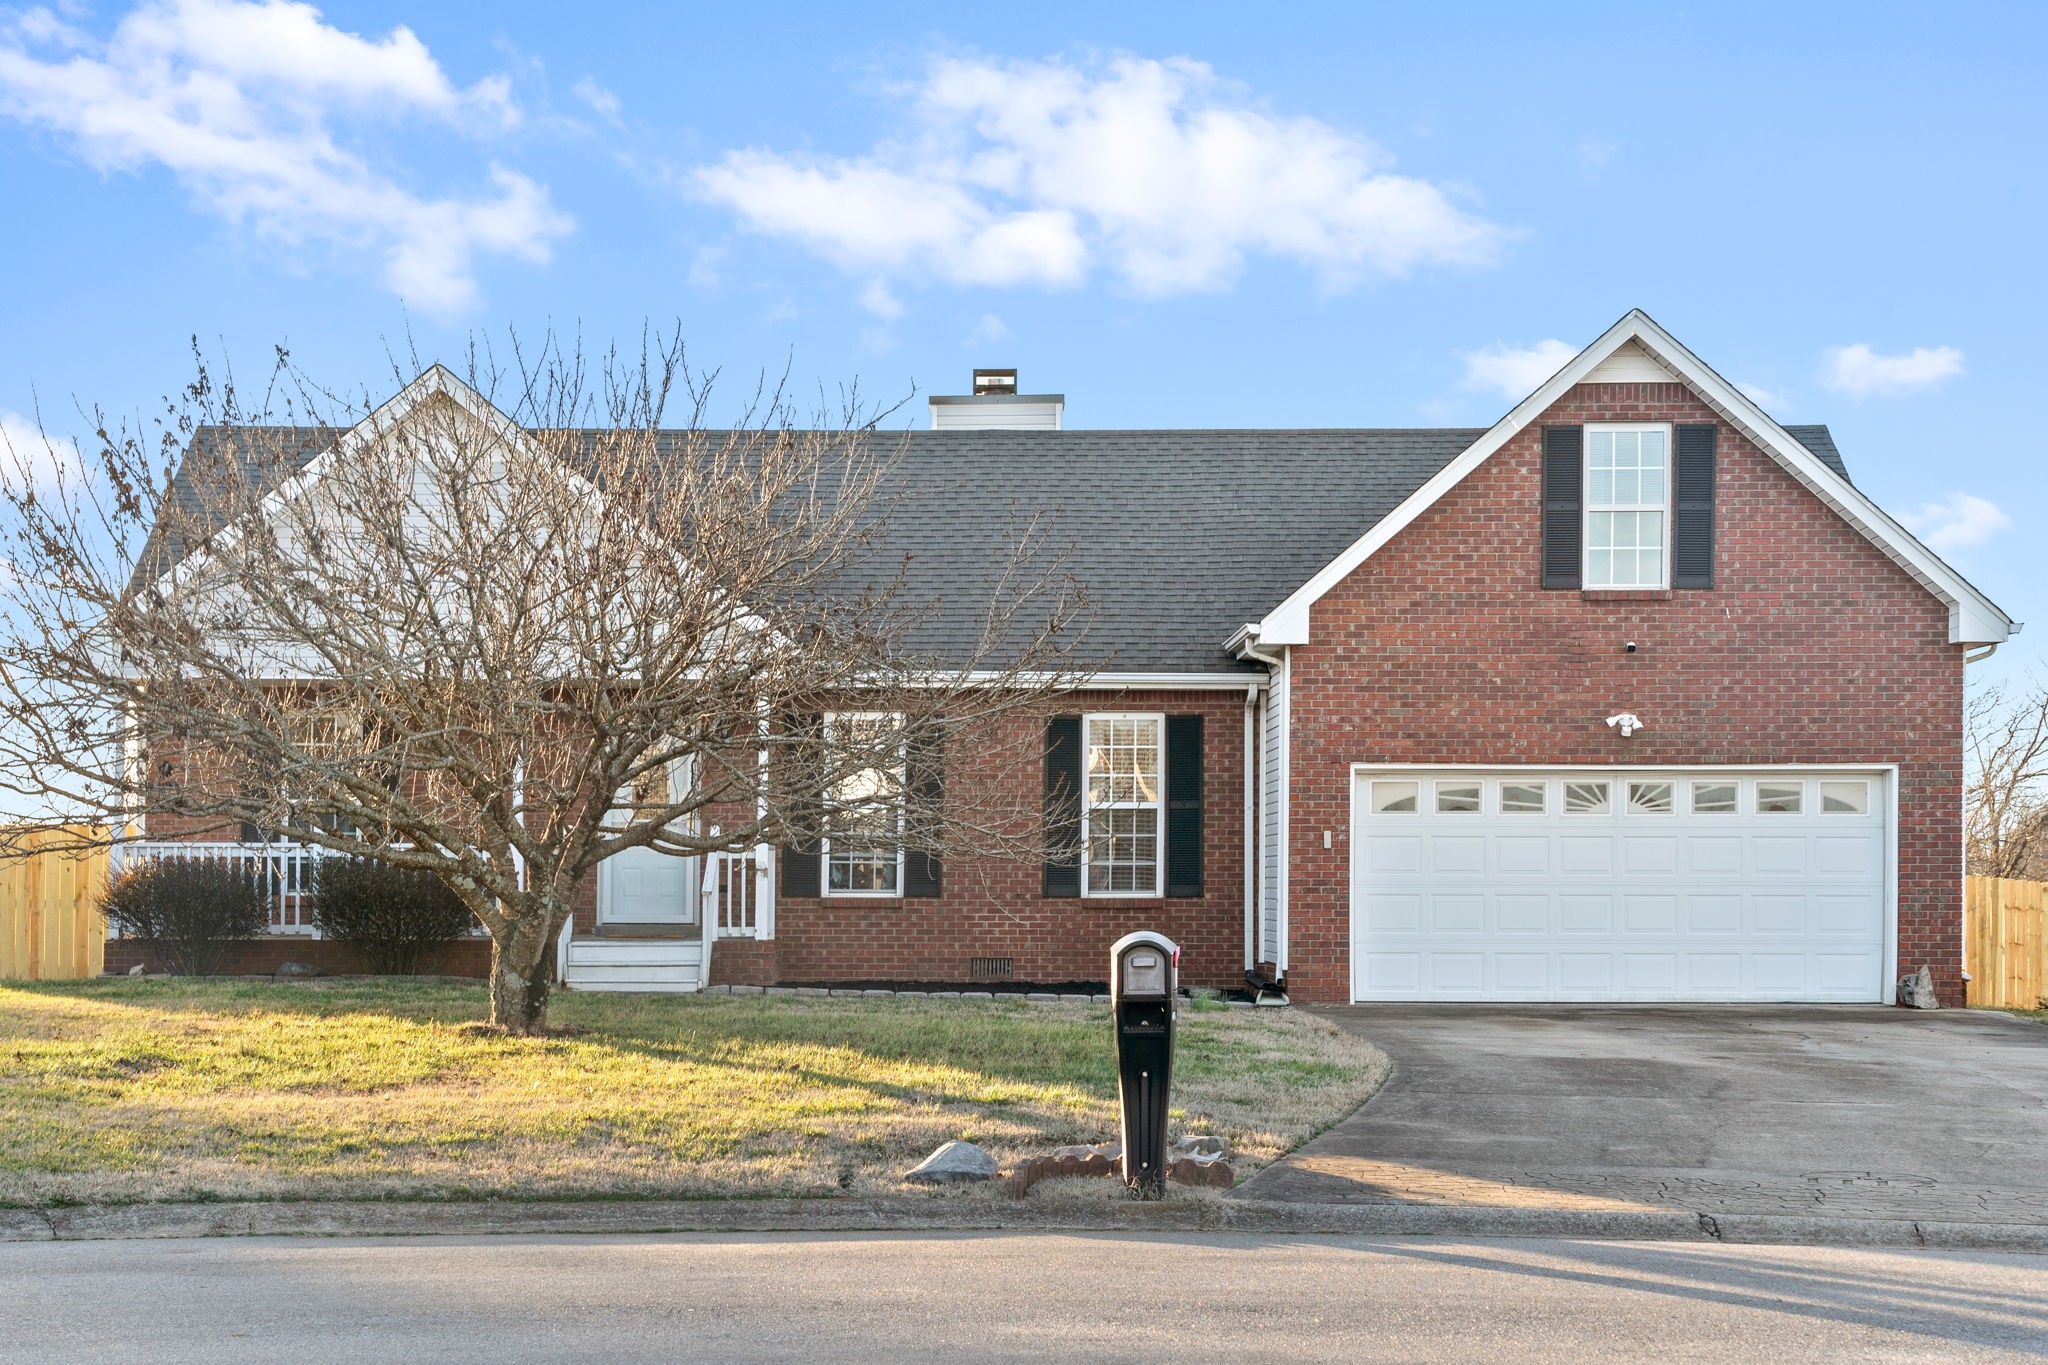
x,y
1812,647
994,909
263,956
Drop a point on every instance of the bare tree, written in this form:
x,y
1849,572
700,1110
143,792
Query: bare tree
x,y
2006,796
503,641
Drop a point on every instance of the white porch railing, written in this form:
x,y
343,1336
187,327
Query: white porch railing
x,y
285,871
738,899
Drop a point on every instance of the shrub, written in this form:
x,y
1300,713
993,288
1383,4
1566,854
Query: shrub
x,y
390,914
191,910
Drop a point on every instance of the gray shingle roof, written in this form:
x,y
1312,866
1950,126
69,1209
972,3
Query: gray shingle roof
x,y
1180,537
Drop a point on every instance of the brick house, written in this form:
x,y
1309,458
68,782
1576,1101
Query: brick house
x,y
1632,696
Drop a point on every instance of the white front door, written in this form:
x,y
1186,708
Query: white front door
x,y
1622,884
642,886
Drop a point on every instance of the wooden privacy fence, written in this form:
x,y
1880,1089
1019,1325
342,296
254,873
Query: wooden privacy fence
x,y
2005,942
50,927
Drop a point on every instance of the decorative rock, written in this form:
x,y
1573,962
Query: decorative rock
x,y
138,969
1084,999
977,995
872,994
746,990
1197,1147
945,995
287,970
952,1164
914,995
811,990
1916,992
1040,995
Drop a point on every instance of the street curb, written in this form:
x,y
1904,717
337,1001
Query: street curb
x,y
346,1219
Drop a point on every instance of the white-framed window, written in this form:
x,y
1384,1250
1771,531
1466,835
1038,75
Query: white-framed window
x,y
1651,798
1457,798
1713,798
864,807
1628,506
1523,798
1396,798
1779,798
1586,798
1845,798
1122,803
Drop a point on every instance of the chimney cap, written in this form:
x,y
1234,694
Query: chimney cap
x,y
990,383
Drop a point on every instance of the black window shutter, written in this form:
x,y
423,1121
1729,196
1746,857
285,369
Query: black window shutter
x,y
1063,806
802,852
1564,461
1183,805
926,774
1692,520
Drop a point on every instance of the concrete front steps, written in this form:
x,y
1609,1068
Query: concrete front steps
x,y
651,965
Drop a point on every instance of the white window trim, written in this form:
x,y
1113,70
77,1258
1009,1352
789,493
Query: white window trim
x,y
825,839
1663,509
1156,805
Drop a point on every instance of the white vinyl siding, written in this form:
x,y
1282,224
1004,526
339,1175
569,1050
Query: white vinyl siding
x,y
1273,821
1628,512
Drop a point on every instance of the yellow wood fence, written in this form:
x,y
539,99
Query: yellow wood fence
x,y
2005,938
50,927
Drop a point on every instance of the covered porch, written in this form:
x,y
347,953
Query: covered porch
x,y
654,925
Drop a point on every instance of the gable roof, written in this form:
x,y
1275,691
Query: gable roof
x,y
1179,536
1973,617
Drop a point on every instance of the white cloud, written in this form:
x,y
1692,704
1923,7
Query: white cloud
x,y
1594,155
1861,372
987,332
241,101
1515,371
1770,400
1957,522
44,463
601,101
1157,172
878,299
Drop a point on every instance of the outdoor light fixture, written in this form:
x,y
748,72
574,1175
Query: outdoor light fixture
x,y
1626,722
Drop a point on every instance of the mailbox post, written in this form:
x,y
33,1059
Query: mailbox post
x,y
1144,970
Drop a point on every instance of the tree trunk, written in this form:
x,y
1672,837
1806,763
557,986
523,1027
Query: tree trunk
x,y
522,973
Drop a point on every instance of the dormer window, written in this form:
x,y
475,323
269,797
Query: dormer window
x,y
1628,506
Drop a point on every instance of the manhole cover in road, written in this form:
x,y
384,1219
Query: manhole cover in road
x,y
1870,1180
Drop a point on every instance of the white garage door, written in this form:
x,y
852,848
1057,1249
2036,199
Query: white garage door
x,y
1619,884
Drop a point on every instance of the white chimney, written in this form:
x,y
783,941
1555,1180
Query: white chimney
x,y
995,405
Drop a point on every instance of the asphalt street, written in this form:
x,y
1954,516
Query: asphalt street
x,y
1006,1296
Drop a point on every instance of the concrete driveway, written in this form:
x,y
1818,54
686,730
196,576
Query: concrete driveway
x,y
1844,1111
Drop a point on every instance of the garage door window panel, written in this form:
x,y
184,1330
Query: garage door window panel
x,y
1524,798
1396,798
1587,798
1458,798
1715,798
1780,798
1845,798
1651,798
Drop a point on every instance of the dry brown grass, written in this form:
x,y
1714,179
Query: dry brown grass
x,y
379,1089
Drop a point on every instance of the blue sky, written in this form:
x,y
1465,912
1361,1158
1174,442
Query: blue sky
x,y
1178,215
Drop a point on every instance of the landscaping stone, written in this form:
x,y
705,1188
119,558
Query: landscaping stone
x,y
1083,999
954,1163
1197,1147
1916,992
873,994
810,990
748,990
137,970
288,970
1040,995
977,995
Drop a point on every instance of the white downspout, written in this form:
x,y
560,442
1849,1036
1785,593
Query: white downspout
x,y
1251,826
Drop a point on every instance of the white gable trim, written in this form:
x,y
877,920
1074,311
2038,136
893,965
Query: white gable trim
x,y
1972,617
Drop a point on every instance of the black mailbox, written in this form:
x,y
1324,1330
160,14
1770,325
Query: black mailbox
x,y
1144,977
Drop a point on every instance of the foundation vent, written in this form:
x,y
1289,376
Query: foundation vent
x,y
991,968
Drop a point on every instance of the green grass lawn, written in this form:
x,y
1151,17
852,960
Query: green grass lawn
x,y
378,1088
